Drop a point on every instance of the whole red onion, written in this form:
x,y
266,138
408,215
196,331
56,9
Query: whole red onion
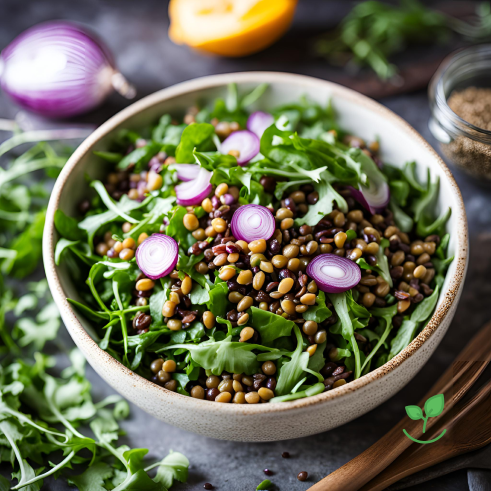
x,y
59,69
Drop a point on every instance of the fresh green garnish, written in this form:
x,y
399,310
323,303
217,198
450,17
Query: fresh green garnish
x,y
375,31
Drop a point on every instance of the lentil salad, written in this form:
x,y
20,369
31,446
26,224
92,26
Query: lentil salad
x,y
244,321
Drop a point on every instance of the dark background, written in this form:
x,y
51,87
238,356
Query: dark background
x,y
136,32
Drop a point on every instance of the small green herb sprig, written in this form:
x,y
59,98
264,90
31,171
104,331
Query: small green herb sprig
x,y
374,31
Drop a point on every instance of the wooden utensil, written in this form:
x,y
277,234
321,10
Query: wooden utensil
x,y
454,383
477,459
468,428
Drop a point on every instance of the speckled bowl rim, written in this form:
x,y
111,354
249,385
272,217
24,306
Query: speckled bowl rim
x,y
78,332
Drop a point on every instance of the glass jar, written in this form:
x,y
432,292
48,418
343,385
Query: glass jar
x,y
465,145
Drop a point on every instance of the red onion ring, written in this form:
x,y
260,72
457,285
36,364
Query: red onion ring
x,y
252,222
195,191
258,122
186,172
374,198
334,274
245,142
157,256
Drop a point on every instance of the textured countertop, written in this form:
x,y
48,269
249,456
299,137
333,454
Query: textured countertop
x,y
136,33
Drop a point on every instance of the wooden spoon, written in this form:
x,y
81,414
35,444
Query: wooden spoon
x,y
468,428
454,383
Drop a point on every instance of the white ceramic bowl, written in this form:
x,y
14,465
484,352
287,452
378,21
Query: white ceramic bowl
x,y
364,117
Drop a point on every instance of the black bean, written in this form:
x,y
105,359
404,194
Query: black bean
x,y
302,476
404,247
211,394
144,294
371,259
411,258
142,321
208,486
271,383
328,369
417,298
259,378
396,272
274,246
268,183
286,273
286,455
232,316
268,472
290,204
313,197
379,302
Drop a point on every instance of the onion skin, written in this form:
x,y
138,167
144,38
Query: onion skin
x,y
157,256
243,229
332,284
195,191
258,122
59,69
245,142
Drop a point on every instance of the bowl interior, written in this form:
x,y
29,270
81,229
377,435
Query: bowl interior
x,y
357,114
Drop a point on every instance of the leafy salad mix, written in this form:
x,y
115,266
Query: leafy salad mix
x,y
253,257
50,426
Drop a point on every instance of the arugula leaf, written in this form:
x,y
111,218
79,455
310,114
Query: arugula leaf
x,y
218,356
409,327
292,371
93,478
324,206
218,298
92,223
196,135
172,467
140,156
319,312
270,326
340,304
68,227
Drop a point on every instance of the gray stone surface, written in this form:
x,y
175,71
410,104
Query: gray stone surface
x,y
136,33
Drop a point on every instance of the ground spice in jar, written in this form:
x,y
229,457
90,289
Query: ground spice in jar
x,y
473,105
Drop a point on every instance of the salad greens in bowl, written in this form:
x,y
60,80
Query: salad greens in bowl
x,y
252,240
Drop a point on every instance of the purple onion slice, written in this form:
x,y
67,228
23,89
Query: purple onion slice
x,y
252,222
334,274
157,256
186,172
258,122
195,191
245,142
374,197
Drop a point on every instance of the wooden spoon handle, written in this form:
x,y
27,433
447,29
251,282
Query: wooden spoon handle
x,y
454,383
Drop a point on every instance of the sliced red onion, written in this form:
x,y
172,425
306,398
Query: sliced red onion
x,y
157,256
186,172
245,142
374,198
59,69
258,122
252,222
195,191
334,274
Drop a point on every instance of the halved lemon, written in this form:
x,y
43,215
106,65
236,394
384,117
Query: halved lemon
x,y
229,27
